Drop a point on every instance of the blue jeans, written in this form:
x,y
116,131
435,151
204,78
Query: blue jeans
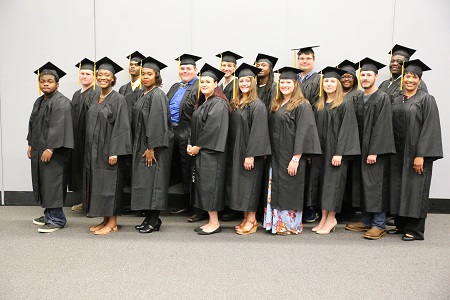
x,y
55,216
377,220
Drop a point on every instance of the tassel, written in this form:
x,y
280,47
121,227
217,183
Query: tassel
x,y
39,88
199,80
401,79
390,59
179,66
220,67
140,77
359,75
79,71
321,84
234,85
129,62
295,60
278,86
95,77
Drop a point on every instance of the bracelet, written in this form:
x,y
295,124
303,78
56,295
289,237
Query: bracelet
x,y
51,152
295,159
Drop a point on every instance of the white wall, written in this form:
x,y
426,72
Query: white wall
x,y
34,32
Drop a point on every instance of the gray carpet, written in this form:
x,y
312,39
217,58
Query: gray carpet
x,y
176,263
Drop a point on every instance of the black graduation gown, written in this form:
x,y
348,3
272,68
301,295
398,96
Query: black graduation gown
x,y
417,133
291,133
187,105
131,96
152,128
209,131
248,136
107,134
310,88
228,90
80,105
267,94
338,135
376,138
50,126
393,90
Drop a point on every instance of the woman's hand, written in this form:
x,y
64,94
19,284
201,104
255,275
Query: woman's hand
x,y
112,160
293,165
29,152
149,157
336,160
249,163
46,155
371,159
418,165
193,150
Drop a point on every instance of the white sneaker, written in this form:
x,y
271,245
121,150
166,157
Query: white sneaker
x,y
78,207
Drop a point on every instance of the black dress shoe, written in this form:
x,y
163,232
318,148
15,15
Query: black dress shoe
x,y
149,228
197,229
197,218
145,223
201,232
408,238
232,215
393,231
180,211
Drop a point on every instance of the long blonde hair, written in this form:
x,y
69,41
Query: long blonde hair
x,y
297,98
253,94
338,99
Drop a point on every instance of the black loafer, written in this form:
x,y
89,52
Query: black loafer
x,y
197,218
407,238
149,228
197,229
137,227
201,232
393,231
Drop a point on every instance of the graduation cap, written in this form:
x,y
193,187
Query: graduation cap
x,y
187,59
287,73
208,70
368,64
266,58
228,56
107,64
136,56
332,72
50,69
402,50
305,49
151,63
348,66
416,66
247,70
85,64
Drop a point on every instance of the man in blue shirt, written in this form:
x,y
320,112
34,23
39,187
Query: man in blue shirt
x,y
183,96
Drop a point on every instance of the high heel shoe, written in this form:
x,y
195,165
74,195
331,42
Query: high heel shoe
x,y
244,231
149,228
315,229
240,225
324,231
143,224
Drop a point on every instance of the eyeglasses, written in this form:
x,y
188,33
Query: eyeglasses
x,y
347,78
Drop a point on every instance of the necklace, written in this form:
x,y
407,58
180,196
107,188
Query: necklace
x,y
103,97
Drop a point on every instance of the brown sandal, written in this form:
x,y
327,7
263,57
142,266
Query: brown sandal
x,y
244,231
97,227
240,225
103,232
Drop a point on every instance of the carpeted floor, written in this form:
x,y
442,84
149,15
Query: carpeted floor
x,y
176,263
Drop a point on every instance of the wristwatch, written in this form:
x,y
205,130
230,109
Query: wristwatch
x,y
295,159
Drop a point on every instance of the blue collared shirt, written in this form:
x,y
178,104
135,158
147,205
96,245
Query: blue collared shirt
x,y
176,101
306,77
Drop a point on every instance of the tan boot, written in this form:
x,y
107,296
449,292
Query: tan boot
x,y
357,227
374,233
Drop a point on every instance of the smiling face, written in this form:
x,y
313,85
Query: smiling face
x,y
306,62
48,84
105,78
228,68
395,65
330,85
245,84
287,86
148,77
207,85
347,80
187,72
86,78
265,69
368,79
411,82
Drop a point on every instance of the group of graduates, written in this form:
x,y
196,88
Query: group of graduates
x,y
291,146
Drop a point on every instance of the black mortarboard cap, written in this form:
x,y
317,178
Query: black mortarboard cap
x,y
348,66
305,49
288,73
208,70
136,56
416,66
332,72
188,59
229,56
107,64
402,50
368,64
247,70
85,64
151,63
266,58
50,68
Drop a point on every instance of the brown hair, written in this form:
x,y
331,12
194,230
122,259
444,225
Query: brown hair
x,y
320,104
253,94
297,98
217,93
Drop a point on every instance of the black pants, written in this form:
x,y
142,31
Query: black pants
x,y
412,226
